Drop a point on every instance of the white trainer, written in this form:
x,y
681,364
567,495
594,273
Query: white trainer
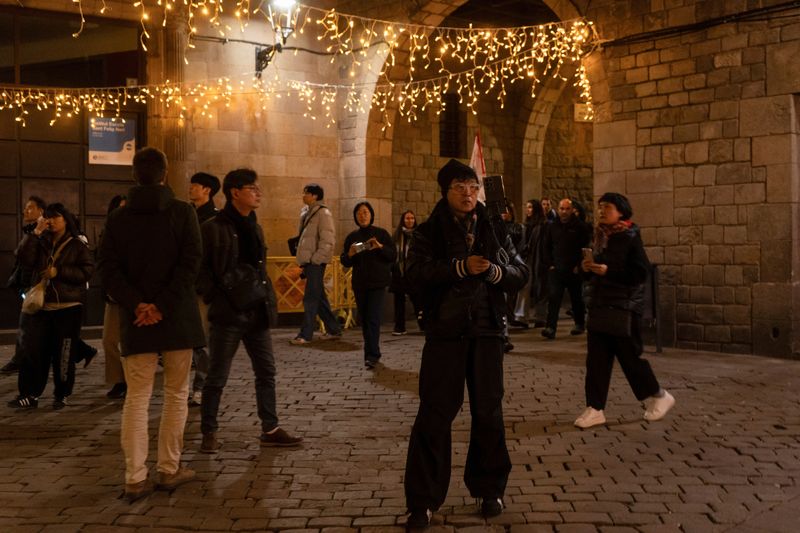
x,y
590,417
657,408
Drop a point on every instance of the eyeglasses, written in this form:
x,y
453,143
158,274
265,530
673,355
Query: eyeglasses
x,y
466,188
255,188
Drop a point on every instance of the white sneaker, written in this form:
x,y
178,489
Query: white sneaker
x,y
590,417
196,398
657,408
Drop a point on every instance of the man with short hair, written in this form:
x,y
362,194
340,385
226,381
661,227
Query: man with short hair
x,y
463,264
314,252
149,258
563,241
241,307
202,189
20,279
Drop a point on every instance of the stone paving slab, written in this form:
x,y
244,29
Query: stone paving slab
x,y
726,459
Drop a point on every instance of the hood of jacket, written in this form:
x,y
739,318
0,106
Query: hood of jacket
x,y
149,198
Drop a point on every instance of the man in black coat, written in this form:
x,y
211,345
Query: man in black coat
x,y
241,307
563,241
148,261
202,188
462,263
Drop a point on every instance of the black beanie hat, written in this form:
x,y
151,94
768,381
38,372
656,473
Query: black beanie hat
x,y
454,170
620,202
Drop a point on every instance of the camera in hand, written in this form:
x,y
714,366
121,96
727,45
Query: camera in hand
x,y
495,195
362,246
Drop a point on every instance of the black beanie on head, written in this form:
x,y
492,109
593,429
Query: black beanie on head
x,y
454,170
620,202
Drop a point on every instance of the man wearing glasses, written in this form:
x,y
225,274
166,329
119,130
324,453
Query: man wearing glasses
x,y
314,252
463,264
241,307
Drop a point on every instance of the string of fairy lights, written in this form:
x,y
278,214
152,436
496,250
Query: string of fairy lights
x,y
419,64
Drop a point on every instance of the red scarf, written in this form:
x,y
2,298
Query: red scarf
x,y
603,231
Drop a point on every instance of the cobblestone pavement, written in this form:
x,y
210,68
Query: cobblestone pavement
x,y
726,459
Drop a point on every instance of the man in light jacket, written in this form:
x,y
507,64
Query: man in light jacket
x,y
314,252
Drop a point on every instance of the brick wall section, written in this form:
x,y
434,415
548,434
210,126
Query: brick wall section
x,y
700,130
567,154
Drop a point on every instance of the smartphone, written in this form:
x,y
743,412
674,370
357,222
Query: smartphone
x,y
587,254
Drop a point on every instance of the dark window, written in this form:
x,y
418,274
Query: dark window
x,y
452,127
6,48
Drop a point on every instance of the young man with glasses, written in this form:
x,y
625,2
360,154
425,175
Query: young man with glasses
x,y
241,307
462,264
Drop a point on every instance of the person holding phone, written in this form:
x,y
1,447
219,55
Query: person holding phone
x,y
616,269
369,250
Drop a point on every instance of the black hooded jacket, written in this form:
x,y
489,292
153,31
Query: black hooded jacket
x,y
457,304
371,268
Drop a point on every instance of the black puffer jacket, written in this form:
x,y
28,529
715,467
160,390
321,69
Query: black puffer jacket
x,y
221,255
150,253
74,266
623,285
457,304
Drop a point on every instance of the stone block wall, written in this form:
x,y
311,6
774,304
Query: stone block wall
x,y
700,129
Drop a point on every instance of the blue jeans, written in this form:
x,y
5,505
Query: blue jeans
x,y
223,343
370,309
315,301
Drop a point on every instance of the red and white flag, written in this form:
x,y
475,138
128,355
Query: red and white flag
x,y
477,164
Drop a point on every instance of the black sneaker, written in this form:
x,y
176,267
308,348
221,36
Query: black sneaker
x,y
10,368
491,507
59,403
24,402
549,333
370,364
578,330
117,392
507,347
419,519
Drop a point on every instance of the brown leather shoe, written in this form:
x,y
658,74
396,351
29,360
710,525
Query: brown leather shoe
x,y
173,481
279,437
210,443
137,491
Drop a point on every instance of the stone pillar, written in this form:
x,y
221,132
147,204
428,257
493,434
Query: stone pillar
x,y
165,61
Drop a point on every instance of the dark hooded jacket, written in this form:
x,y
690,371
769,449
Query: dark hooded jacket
x,y
150,253
371,268
623,285
457,304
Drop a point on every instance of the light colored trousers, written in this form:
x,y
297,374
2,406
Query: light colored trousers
x,y
114,372
140,370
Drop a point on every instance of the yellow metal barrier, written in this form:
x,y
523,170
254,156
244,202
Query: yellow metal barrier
x,y
289,288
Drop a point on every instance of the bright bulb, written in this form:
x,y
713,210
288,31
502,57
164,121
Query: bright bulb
x,y
283,4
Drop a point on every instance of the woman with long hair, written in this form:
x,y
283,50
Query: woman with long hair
x,y
399,286
534,294
617,268
58,256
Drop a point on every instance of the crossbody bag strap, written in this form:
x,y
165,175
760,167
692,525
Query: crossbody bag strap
x,y
58,251
308,220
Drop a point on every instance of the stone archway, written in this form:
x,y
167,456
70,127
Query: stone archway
x,y
366,165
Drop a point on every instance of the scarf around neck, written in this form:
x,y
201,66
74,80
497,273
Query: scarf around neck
x,y
603,231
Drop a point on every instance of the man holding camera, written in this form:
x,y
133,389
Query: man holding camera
x,y
463,263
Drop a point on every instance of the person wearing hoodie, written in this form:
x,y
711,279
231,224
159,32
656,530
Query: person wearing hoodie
x,y
616,271
369,250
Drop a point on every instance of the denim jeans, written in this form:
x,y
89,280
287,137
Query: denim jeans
x,y
140,372
223,343
200,355
315,301
370,310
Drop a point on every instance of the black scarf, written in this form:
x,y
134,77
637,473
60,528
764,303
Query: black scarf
x,y
250,250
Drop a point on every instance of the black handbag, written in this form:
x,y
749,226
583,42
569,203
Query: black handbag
x,y
244,287
293,242
610,321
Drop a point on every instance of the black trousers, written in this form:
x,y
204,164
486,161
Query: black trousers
x,y
557,282
50,338
602,349
446,364
370,310
400,309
